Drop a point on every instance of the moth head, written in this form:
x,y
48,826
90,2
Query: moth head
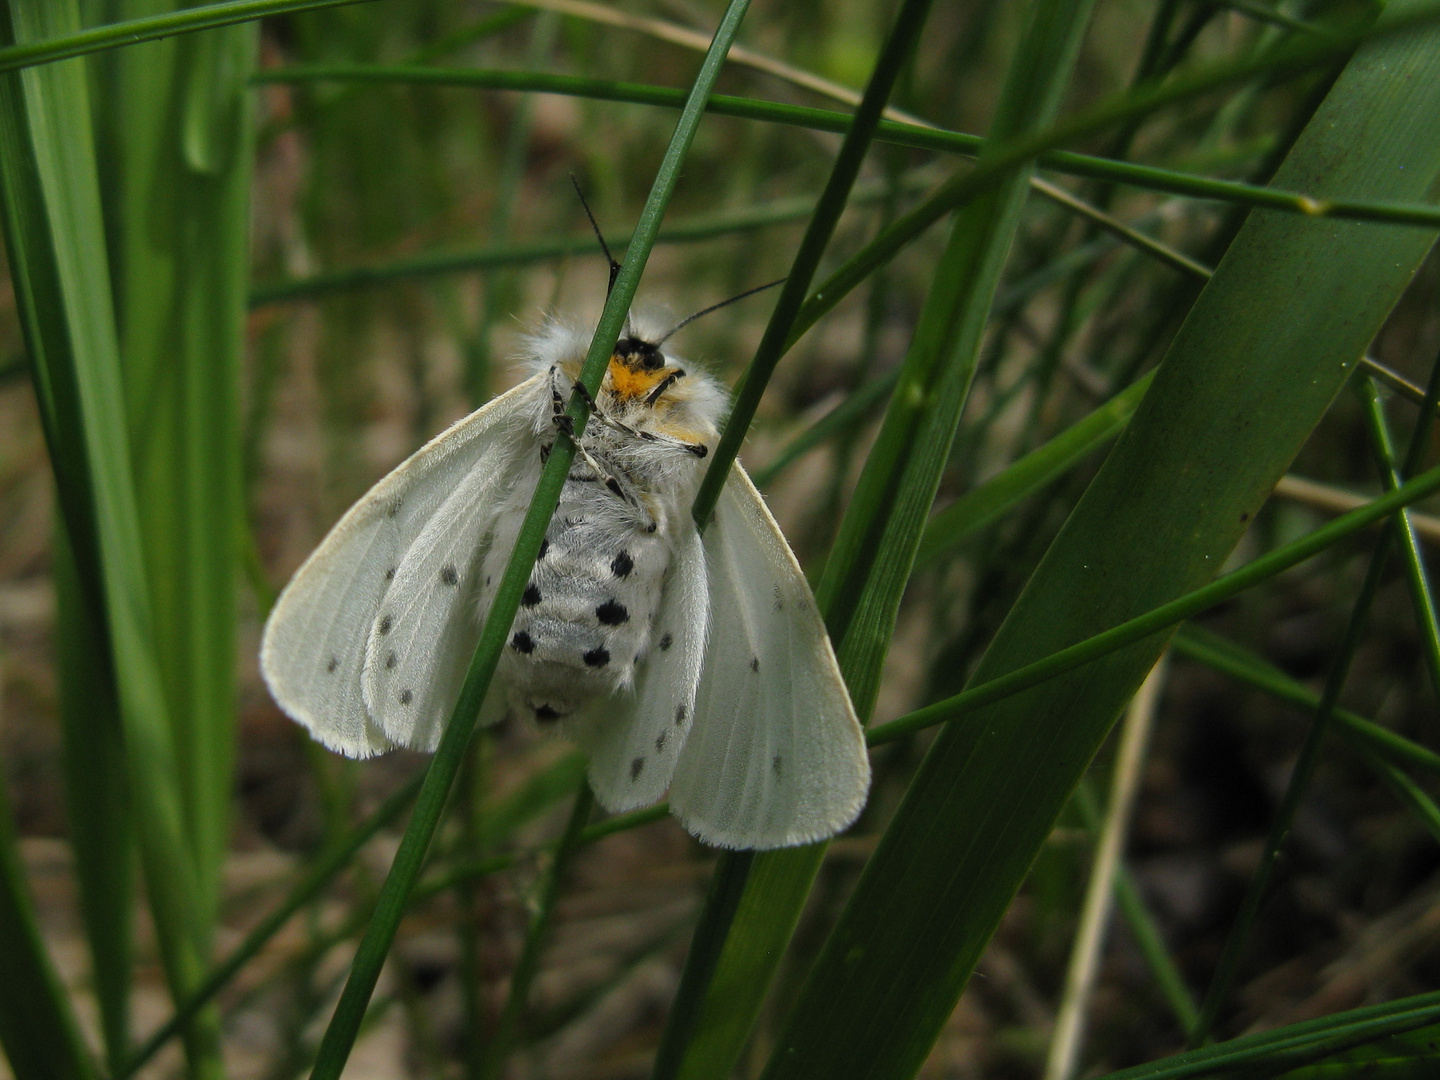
x,y
640,371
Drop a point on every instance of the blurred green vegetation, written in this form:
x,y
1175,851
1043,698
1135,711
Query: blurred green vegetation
x,y
255,266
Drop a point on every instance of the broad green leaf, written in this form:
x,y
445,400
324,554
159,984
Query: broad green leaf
x,y
1273,337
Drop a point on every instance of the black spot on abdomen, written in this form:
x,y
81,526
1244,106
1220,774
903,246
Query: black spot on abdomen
x,y
612,613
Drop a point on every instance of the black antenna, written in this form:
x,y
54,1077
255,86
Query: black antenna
x,y
716,307
614,266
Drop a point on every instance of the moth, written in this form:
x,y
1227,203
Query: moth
x,y
692,663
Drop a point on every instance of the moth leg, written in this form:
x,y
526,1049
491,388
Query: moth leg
x,y
564,422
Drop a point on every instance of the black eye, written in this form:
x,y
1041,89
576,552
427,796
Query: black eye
x,y
653,360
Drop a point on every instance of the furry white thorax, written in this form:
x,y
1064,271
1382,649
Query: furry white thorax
x,y
587,616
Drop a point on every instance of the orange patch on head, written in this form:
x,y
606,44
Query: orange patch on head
x,y
628,383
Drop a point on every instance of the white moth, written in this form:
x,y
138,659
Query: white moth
x,y
695,665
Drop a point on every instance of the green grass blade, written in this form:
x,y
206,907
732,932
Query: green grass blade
x,y
535,934
38,1032
909,452
405,870
1392,476
1141,101
687,1045
1309,758
56,244
1157,619
315,880
982,505
520,253
1208,648
177,158
896,133
1197,460
97,806
58,46
896,50
1306,1041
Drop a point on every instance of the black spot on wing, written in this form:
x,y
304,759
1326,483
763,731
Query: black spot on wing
x,y
391,661
406,697
612,613
449,575
779,599
666,640
597,657
385,623
531,596
622,564
777,766
660,740
636,768
390,574
754,663
546,713
394,508
544,547
332,665
681,711
523,642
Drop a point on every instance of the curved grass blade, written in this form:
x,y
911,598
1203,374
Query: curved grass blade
x,y
349,1013
1213,434
894,132
1302,1042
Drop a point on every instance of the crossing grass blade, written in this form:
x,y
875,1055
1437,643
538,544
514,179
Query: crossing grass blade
x,y
1289,312
350,1011
860,590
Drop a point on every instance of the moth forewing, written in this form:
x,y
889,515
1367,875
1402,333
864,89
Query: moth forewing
x,y
313,650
